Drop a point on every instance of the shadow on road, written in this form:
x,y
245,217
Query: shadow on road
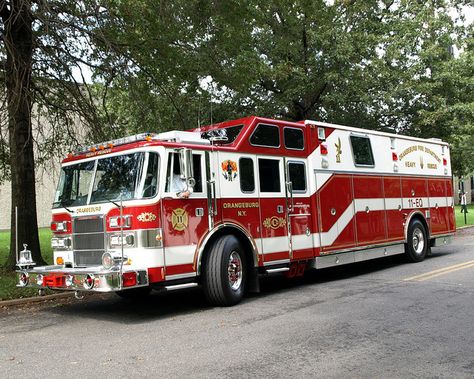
x,y
164,305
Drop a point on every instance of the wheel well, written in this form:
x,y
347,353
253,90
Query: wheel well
x,y
421,218
244,241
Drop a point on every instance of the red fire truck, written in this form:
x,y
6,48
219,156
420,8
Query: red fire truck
x,y
221,205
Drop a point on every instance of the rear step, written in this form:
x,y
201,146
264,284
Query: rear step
x,y
276,270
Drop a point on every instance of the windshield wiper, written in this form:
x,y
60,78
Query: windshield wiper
x,y
111,201
61,203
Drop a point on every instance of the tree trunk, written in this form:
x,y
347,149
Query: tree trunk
x,y
18,40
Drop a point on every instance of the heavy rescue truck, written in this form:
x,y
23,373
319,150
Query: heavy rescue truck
x,y
221,205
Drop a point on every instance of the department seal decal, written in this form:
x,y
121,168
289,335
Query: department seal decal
x,y
274,222
229,170
179,219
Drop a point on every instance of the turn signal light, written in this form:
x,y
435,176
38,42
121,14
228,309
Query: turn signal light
x,y
59,261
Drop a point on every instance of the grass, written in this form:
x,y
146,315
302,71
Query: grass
x,y
8,279
460,216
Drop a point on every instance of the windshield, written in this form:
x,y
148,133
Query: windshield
x,y
122,177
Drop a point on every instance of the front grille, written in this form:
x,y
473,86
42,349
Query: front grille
x,y
88,225
88,240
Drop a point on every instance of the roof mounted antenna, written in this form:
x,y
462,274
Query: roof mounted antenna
x,y
199,114
211,105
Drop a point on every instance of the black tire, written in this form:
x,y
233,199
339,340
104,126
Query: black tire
x,y
221,286
136,294
417,244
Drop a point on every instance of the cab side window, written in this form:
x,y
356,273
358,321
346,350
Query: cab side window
x,y
247,175
151,178
269,174
266,135
297,176
294,138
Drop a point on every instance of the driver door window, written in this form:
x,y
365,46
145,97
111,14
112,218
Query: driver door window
x,y
174,182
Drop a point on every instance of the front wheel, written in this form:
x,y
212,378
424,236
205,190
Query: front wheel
x,y
417,242
224,272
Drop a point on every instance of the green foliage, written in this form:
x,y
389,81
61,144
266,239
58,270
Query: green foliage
x,y
8,279
379,65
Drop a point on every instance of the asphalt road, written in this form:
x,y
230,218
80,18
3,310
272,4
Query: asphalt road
x,y
364,320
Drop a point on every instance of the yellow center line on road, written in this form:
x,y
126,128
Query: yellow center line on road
x,y
441,271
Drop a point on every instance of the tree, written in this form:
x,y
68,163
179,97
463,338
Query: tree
x,y
451,107
18,40
368,64
45,47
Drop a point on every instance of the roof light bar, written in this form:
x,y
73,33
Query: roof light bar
x,y
117,142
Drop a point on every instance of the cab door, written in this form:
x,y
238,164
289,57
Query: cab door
x,y
184,220
298,210
273,215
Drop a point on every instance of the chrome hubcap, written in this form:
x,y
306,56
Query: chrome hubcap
x,y
418,241
234,270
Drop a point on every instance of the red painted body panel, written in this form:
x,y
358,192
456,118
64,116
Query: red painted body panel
x,y
451,216
193,229
273,224
395,219
414,187
439,213
370,225
335,194
334,198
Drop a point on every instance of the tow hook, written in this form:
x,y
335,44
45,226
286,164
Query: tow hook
x,y
78,295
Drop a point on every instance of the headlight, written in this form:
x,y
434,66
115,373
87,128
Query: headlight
x,y
107,260
60,226
116,240
114,222
39,280
61,243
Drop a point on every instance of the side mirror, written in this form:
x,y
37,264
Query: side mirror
x,y
186,167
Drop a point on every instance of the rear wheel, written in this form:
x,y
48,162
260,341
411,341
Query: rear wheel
x,y
417,242
224,272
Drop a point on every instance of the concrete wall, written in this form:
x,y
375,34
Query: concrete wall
x,y
46,180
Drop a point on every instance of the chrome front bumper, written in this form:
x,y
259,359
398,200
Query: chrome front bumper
x,y
91,279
